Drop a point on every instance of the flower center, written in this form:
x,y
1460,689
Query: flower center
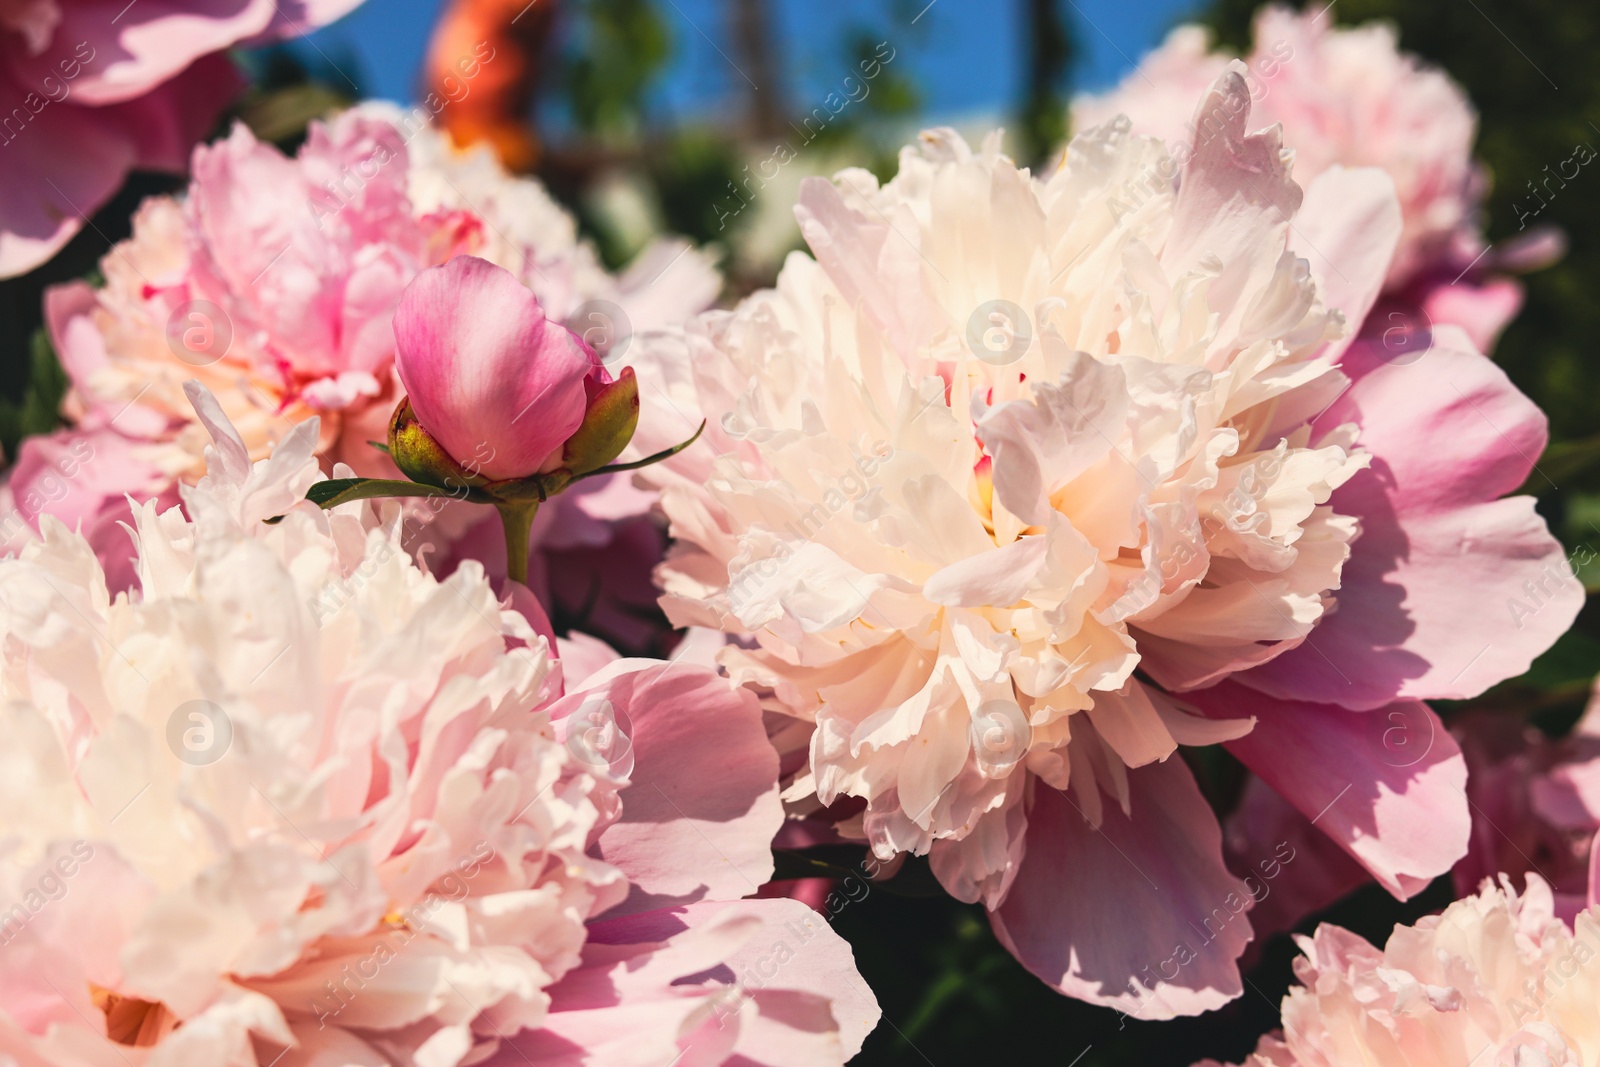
x,y
131,1021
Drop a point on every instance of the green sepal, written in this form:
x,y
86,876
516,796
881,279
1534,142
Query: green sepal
x,y
608,426
538,487
421,458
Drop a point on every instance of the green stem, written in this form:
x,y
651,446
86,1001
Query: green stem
x,y
516,518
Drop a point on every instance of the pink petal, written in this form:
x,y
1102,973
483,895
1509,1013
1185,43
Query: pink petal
x,y
1140,914
1000,576
1132,723
110,52
298,251
50,960
122,51
859,254
582,656
822,967
58,169
326,1045
84,480
643,976
497,385
1482,310
1594,872
1292,868
81,348
1386,785
173,116
1448,589
521,600
702,808
1533,249
67,162
1347,230
1044,442
1569,796
1218,211
298,16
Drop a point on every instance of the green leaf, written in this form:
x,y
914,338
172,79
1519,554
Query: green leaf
x,y
787,864
1568,665
665,453
914,879
336,491
1562,462
39,410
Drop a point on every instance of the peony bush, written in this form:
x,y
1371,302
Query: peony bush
x,y
423,645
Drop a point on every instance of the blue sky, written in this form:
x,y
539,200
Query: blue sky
x,y
964,54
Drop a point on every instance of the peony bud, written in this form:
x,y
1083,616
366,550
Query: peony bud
x,y
492,384
502,406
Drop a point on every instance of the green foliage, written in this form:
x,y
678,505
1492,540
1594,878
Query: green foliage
x,y
895,94
1050,51
38,410
332,492
618,49
693,177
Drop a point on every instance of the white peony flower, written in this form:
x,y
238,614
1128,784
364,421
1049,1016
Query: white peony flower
x,y
1008,482
1496,980
296,801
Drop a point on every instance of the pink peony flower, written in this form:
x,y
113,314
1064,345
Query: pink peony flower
x,y
1018,486
276,280
1536,802
294,800
1496,979
492,380
1351,98
90,91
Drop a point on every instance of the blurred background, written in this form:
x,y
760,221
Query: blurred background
x,y
700,117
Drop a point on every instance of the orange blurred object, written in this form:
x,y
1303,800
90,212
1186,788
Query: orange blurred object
x,y
483,67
